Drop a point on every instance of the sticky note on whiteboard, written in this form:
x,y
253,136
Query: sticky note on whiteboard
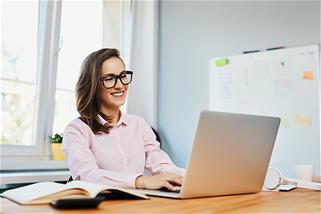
x,y
302,120
307,75
221,62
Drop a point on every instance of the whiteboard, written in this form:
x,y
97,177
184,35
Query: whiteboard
x,y
283,83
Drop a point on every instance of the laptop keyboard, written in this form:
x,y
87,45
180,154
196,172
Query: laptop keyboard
x,y
164,189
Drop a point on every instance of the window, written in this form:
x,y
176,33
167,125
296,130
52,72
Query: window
x,y
86,26
81,34
28,48
37,86
18,72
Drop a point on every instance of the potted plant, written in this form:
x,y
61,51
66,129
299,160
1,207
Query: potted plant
x,y
55,144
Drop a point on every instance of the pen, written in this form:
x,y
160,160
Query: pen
x,y
275,48
251,51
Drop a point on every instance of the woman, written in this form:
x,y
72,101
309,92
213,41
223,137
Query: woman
x,y
107,146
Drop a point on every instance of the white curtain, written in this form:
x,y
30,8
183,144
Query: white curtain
x,y
140,55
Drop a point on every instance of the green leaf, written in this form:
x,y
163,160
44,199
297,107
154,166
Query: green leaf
x,y
55,138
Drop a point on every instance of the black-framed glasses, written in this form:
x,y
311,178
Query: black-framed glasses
x,y
110,80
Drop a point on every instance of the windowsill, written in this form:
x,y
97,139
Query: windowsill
x,y
32,177
25,164
31,171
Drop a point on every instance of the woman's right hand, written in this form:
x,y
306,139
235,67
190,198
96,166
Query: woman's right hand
x,y
167,180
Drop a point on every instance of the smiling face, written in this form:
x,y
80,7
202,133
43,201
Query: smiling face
x,y
112,98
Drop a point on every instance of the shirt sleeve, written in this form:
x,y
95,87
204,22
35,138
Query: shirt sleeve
x,y
82,163
157,161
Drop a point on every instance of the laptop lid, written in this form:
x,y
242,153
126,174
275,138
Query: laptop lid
x,y
230,154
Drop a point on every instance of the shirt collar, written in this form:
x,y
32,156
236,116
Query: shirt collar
x,y
123,120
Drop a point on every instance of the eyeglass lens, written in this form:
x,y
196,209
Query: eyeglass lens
x,y
111,80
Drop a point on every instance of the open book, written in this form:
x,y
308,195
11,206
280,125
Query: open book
x,y
45,192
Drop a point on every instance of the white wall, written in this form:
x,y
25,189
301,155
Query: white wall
x,y
193,32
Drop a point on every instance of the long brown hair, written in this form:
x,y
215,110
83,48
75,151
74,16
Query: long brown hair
x,y
87,89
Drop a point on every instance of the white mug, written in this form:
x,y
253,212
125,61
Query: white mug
x,y
304,172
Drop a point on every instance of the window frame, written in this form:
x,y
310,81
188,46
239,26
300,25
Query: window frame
x,y
47,57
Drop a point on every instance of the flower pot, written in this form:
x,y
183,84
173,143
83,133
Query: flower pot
x,y
56,151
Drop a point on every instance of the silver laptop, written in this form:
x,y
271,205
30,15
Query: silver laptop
x,y
230,155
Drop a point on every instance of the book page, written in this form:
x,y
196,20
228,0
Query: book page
x,y
26,194
92,188
64,194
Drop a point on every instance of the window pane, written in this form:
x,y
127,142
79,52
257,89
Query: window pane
x,y
18,71
81,30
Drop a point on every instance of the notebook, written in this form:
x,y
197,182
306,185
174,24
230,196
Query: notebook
x,y
230,155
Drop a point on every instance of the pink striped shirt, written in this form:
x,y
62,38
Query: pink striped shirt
x,y
117,158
